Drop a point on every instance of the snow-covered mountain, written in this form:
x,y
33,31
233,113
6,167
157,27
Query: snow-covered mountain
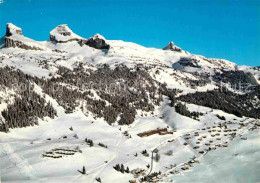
x,y
124,112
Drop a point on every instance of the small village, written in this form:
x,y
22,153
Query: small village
x,y
201,141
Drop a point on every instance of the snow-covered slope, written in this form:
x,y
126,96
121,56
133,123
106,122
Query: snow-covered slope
x,y
122,111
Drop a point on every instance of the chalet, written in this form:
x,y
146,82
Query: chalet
x,y
165,132
161,131
185,168
171,140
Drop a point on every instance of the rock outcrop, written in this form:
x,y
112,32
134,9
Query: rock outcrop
x,y
189,62
2,42
14,38
11,29
97,41
19,44
172,47
63,34
60,34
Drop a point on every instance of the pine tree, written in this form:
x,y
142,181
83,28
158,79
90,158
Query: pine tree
x,y
122,168
157,157
83,170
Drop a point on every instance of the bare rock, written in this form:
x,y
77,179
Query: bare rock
x,y
172,47
11,29
97,41
9,42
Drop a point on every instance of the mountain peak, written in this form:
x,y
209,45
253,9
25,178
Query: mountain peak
x,y
172,47
97,41
11,29
62,33
14,38
97,36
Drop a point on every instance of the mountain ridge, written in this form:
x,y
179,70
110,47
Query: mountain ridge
x,y
72,36
67,51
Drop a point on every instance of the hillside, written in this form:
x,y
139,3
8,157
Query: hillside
x,y
124,112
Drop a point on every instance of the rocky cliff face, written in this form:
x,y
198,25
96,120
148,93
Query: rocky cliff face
x,y
9,42
97,41
2,42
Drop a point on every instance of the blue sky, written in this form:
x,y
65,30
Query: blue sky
x,y
216,29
